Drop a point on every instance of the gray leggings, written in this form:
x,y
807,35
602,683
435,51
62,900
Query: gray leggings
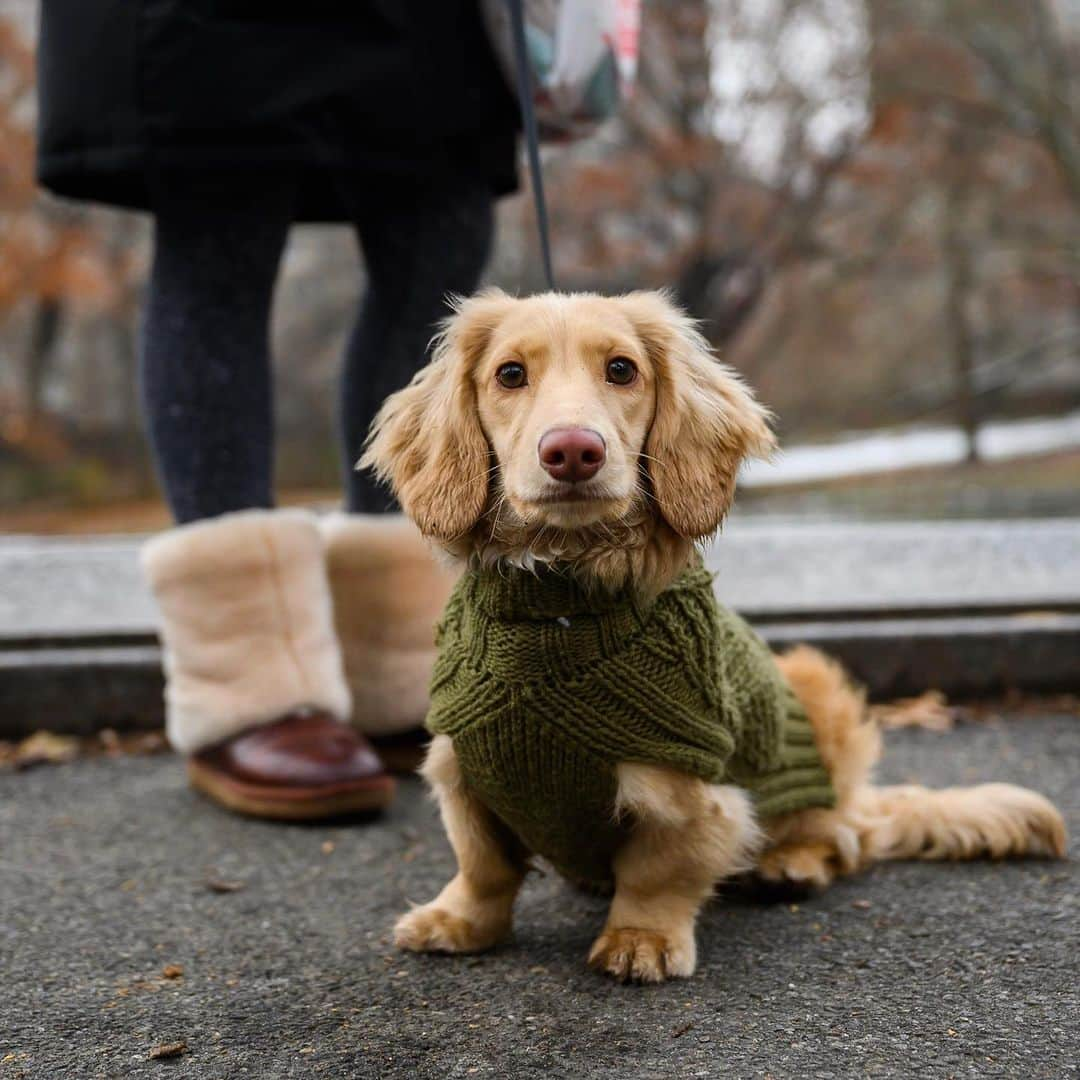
x,y
205,358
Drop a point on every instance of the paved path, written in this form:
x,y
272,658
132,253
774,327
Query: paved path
x,y
910,971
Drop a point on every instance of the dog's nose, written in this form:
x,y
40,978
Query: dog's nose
x,y
572,454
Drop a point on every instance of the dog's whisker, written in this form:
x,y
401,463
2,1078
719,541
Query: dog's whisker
x,y
649,457
649,496
503,498
485,474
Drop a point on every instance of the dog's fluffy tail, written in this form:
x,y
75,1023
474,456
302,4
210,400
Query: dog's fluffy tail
x,y
871,823
989,820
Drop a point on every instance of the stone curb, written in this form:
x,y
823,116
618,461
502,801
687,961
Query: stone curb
x,y
968,608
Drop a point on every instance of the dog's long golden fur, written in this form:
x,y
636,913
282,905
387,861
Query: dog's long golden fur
x,y
698,424
460,448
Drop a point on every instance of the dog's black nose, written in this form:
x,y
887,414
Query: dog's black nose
x,y
572,454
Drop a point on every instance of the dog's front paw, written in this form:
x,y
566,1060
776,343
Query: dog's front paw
x,y
646,956
434,929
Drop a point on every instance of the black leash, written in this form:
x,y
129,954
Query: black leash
x,y
532,134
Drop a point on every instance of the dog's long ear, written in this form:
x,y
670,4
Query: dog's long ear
x,y
707,421
426,441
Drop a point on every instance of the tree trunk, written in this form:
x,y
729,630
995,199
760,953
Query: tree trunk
x,y
959,281
44,331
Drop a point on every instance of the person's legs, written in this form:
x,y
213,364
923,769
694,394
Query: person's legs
x,y
387,588
419,247
205,357
255,690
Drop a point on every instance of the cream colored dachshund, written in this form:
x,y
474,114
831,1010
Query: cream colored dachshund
x,y
592,442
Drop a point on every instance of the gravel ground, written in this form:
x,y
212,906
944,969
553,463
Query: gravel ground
x,y
116,937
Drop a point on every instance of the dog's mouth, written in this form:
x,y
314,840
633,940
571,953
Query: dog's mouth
x,y
573,495
594,493
572,505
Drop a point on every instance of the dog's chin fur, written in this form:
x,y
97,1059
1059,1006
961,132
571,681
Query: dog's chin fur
x,y
635,548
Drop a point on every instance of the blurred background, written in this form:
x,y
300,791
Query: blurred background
x,y
873,205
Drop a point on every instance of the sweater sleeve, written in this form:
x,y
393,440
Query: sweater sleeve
x,y
753,699
448,659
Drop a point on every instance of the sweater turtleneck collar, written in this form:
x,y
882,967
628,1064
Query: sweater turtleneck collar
x,y
513,594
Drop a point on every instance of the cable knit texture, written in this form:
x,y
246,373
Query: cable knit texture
x,y
545,688
246,624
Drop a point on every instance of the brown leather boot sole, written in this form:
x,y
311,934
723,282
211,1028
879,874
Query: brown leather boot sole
x,y
280,803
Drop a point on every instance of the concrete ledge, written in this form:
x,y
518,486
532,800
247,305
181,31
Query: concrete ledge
x,y
81,690
963,657
87,588
969,608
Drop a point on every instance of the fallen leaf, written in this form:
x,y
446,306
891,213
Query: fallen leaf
x,y
220,885
45,748
929,710
173,971
169,1050
146,742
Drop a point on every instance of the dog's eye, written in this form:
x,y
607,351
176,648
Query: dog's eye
x,y
511,375
621,371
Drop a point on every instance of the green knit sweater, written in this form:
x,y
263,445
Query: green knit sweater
x,y
545,688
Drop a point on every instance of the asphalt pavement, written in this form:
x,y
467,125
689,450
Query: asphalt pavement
x,y
134,916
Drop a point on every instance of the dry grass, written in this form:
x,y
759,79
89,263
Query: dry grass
x,y
142,516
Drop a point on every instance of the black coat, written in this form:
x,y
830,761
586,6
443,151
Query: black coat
x,y
341,91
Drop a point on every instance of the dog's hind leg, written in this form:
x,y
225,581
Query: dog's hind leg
x,y
686,836
474,911
812,847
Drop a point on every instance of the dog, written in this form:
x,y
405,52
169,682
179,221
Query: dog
x,y
594,442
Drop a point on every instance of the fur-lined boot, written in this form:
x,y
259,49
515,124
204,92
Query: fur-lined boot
x,y
389,590
255,692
